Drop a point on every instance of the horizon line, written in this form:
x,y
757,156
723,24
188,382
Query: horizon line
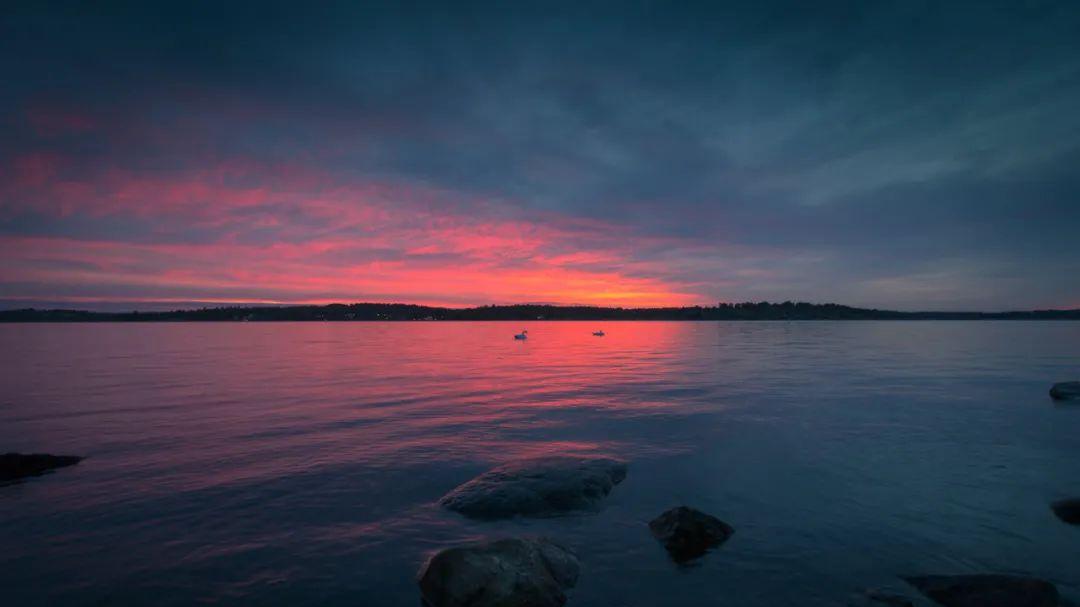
x,y
223,304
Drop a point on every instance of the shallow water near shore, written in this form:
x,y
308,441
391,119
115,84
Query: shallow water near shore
x,y
300,463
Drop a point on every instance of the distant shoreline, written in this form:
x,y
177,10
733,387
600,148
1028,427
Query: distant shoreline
x,y
521,313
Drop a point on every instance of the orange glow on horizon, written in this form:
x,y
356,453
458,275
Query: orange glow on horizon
x,y
244,232
292,278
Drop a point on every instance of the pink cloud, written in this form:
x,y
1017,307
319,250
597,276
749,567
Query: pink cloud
x,y
287,274
291,233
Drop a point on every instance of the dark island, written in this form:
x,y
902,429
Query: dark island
x,y
402,312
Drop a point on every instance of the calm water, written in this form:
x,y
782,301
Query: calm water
x,y
298,464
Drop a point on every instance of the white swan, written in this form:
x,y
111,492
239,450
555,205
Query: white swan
x,y
523,335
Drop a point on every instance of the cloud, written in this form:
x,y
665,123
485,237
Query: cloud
x,y
889,155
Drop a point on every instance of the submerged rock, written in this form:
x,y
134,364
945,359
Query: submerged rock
x,y
876,597
513,572
1067,510
1066,390
986,590
688,533
20,465
537,487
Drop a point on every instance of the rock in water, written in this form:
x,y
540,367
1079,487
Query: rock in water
x,y
1066,390
537,487
514,572
20,465
880,598
688,533
986,590
1067,510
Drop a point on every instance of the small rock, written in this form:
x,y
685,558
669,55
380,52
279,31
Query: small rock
x,y
986,590
1067,510
20,465
1066,390
542,486
876,597
688,533
502,573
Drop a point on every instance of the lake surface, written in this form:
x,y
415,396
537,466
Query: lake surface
x,y
299,463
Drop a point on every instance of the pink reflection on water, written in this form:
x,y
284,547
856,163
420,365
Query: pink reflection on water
x,y
185,407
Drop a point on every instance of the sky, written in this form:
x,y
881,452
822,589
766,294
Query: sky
x,y
905,155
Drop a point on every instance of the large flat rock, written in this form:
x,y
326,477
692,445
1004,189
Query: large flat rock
x,y
986,590
513,572
543,486
14,466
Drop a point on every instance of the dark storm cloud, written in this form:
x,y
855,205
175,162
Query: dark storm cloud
x,y
892,154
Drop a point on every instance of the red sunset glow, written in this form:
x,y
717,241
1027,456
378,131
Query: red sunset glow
x,y
353,162
249,233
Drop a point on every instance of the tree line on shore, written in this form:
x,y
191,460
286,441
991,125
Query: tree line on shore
x,y
525,312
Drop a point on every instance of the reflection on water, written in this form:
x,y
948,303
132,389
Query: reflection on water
x,y
299,464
